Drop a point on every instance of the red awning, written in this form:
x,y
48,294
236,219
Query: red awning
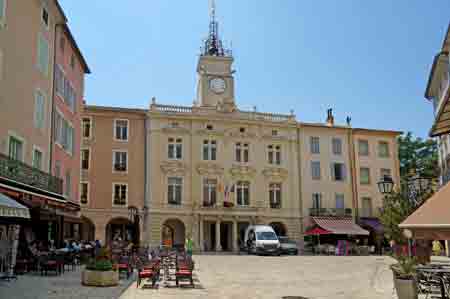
x,y
317,231
340,226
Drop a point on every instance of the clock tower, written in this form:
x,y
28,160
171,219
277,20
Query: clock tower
x,y
215,87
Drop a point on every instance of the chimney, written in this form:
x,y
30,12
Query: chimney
x,y
349,121
330,117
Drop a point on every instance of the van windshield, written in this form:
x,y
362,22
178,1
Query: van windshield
x,y
266,236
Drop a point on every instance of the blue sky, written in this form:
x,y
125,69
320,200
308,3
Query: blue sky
x,y
366,59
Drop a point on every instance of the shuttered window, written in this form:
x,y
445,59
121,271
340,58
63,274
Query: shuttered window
x,y
43,55
39,109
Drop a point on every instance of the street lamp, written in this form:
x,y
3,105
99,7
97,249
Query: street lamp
x,y
386,185
135,215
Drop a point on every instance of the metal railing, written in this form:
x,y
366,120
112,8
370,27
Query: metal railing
x,y
209,204
275,205
346,212
23,173
171,108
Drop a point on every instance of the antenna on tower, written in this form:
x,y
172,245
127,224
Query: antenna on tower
x,y
212,10
213,45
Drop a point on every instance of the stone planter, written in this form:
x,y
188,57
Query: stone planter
x,y
100,278
406,288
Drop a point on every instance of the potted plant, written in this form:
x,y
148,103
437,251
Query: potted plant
x,y
99,272
405,282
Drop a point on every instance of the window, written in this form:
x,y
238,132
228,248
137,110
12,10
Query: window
x,y
58,169
315,170
121,129
85,159
364,175
340,202
15,148
383,149
2,11
275,195
338,172
175,190
63,133
64,88
84,193
317,201
209,127
243,193
175,148
385,172
274,154
72,62
363,147
315,145
366,207
242,130
209,192
242,152
337,146
37,159
209,150
43,54
274,133
68,185
86,127
62,44
120,161
120,194
45,17
39,109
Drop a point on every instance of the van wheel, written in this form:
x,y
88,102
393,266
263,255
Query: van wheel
x,y
249,251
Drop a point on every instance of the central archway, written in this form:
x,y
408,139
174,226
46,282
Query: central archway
x,y
279,228
119,229
173,233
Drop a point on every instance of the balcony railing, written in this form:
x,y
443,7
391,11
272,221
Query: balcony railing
x,y
275,205
120,167
119,201
209,203
331,212
23,173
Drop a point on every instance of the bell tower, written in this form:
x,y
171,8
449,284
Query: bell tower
x,y
215,87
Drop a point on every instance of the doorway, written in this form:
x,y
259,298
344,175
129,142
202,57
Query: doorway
x,y
226,236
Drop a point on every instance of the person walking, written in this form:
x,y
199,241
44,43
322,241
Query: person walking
x,y
189,244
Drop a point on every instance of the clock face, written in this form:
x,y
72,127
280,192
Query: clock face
x,y
217,85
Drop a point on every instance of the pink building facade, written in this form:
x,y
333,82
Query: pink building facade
x,y
68,90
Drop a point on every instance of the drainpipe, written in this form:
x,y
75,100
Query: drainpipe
x,y
300,199
50,155
146,229
352,158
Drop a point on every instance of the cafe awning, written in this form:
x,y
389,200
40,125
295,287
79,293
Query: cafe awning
x,y
317,231
340,226
10,208
372,223
434,214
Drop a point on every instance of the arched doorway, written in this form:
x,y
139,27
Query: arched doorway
x,y
279,228
87,231
173,233
120,229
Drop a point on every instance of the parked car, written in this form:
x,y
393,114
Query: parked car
x,y
262,239
288,246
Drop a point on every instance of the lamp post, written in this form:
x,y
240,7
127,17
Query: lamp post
x,y
386,186
135,215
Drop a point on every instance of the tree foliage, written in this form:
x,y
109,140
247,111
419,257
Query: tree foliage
x,y
418,155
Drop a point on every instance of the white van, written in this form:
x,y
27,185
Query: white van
x,y
261,239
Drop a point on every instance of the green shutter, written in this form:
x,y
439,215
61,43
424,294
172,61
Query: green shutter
x,y
43,54
2,10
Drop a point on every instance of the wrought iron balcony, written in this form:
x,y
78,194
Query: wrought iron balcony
x,y
275,205
120,167
209,203
22,173
347,212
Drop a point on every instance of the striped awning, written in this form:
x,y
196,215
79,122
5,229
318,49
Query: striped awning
x,y
12,209
340,226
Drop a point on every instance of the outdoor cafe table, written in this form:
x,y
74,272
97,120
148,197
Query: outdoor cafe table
x,y
439,272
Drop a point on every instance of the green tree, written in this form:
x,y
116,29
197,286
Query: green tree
x,y
418,155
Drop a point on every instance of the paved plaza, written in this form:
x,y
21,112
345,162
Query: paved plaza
x,y
226,276
312,277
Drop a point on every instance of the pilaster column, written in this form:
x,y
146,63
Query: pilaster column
x,y
218,246
202,235
235,236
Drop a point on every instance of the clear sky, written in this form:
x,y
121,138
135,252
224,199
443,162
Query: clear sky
x,y
366,59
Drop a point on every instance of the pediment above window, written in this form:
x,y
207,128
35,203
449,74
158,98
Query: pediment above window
x,y
175,130
210,169
275,173
242,172
174,167
214,133
245,135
